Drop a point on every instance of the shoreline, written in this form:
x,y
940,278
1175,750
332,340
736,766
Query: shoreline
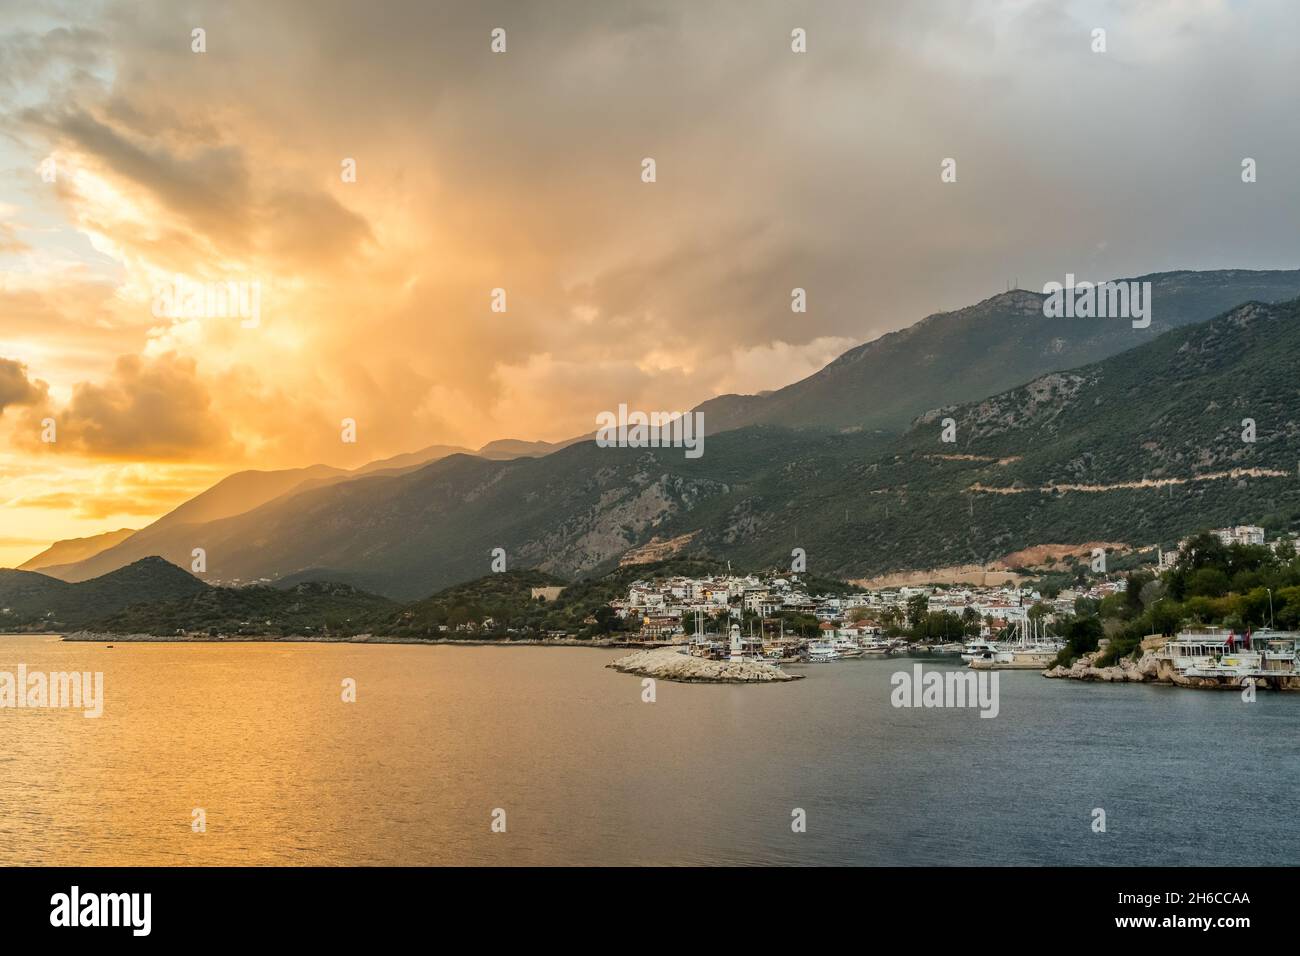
x,y
99,637
665,663
1147,670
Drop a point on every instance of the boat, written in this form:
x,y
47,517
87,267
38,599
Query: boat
x,y
1032,650
979,647
848,648
822,652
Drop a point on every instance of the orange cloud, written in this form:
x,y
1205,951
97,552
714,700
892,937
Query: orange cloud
x,y
15,386
150,409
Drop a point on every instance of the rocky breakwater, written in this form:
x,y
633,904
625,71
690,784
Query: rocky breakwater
x,y
1126,671
667,663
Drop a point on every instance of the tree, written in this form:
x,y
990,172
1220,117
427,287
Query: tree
x,y
1082,635
917,606
1151,592
1207,582
1166,617
606,620
1087,607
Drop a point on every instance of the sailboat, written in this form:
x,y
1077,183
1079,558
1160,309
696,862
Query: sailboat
x,y
1032,650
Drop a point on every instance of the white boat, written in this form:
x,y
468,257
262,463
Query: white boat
x,y
979,647
848,648
822,652
1031,651
947,649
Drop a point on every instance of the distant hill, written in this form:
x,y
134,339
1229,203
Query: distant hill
x,y
505,599
411,459
75,549
231,496
981,350
495,604
313,608
29,599
505,596
505,448
244,491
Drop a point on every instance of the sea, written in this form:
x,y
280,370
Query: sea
x,y
368,754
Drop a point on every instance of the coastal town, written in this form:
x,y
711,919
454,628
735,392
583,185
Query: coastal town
x,y
775,619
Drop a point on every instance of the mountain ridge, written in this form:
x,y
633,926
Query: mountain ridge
x,y
762,489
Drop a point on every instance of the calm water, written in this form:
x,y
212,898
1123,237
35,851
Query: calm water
x,y
256,734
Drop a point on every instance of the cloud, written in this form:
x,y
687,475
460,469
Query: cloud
x,y
9,241
16,388
522,171
98,507
152,409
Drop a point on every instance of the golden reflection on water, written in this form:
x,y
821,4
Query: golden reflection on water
x,y
258,736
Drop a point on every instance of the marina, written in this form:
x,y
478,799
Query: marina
x,y
788,649
1032,649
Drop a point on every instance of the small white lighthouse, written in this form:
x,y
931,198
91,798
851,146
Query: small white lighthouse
x,y
737,649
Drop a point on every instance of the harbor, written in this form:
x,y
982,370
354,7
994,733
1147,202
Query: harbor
x,y
1203,658
1032,649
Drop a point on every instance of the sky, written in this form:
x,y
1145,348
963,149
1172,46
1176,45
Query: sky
x,y
522,171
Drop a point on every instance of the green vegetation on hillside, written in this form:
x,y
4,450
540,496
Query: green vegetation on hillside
x,y
582,609
1240,587
30,600
314,608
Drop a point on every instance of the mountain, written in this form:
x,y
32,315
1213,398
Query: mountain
x,y
232,495
411,459
30,599
577,510
238,493
504,448
246,490
75,549
849,498
961,356
1070,457
1141,448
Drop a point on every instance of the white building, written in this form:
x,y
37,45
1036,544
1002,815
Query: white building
x,y
1241,534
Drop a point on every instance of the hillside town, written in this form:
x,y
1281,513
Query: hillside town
x,y
677,607
666,608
